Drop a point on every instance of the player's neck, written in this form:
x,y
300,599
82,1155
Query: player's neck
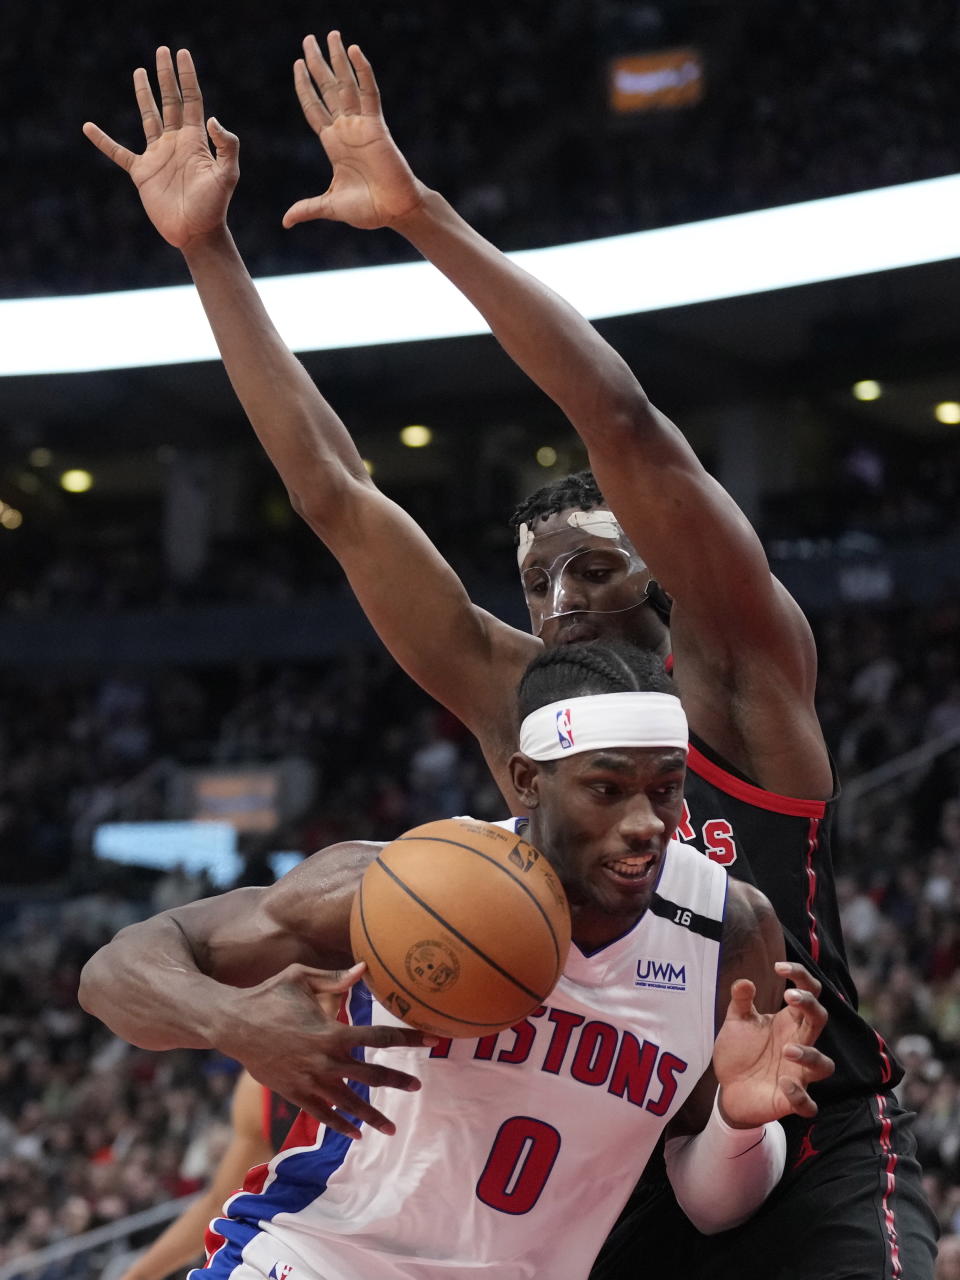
x,y
593,929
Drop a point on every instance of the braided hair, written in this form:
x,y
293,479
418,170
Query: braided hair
x,y
573,670
580,490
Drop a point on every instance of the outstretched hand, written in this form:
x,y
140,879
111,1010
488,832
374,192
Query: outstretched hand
x,y
372,184
763,1062
287,1034
185,188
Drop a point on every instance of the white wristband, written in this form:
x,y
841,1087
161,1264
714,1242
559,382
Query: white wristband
x,y
713,1192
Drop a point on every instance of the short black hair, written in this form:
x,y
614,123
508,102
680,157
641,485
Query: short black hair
x,y
594,666
577,490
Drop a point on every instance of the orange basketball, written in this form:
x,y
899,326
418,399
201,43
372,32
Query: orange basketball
x,y
464,927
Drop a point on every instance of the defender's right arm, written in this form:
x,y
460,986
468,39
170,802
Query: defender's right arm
x,y
460,654
464,658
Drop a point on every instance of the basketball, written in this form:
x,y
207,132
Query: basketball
x,y
464,927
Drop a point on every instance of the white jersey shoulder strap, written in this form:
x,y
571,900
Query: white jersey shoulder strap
x,y
692,891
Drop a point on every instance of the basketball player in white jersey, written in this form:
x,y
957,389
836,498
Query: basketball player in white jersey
x,y
761,781
517,1153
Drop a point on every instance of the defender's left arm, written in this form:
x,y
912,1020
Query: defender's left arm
x,y
745,655
743,648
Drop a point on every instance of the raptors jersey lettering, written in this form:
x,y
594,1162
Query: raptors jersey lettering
x,y
519,1151
782,845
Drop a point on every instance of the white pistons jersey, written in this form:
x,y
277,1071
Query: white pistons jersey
x,y
516,1156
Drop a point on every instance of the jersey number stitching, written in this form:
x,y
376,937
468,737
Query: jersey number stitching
x,y
519,1164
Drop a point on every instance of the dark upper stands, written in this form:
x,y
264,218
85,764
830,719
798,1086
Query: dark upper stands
x,y
504,112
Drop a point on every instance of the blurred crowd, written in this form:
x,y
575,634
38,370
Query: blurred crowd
x,y
71,753
890,686
97,1131
887,489
506,113
89,1131
874,497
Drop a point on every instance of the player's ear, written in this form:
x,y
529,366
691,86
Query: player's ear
x,y
524,774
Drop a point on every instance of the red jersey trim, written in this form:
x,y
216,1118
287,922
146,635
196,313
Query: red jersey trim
x,y
813,838
746,791
265,1116
890,1159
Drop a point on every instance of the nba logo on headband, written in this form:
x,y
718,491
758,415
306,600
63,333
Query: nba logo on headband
x,y
564,729
604,720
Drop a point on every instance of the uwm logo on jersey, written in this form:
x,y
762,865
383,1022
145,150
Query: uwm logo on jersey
x,y
716,837
661,974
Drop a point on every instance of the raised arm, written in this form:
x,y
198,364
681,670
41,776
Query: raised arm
x,y
459,658
735,629
257,974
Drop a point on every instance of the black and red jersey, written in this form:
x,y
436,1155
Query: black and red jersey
x,y
782,845
278,1116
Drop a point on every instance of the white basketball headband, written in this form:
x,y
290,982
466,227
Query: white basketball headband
x,y
603,720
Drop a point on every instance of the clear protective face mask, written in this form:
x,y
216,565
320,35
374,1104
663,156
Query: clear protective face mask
x,y
596,575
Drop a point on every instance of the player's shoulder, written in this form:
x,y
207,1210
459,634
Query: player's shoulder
x,y
517,826
313,900
691,890
749,902
329,870
749,918
684,864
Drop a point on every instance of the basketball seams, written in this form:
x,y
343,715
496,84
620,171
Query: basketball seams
x,y
425,906
445,922
457,844
415,997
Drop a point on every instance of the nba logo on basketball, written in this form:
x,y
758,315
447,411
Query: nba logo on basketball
x,y
564,729
281,1271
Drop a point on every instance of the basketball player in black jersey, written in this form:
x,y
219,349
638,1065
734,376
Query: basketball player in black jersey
x,y
761,782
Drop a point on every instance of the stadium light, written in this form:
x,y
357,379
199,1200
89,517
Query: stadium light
x,y
867,389
76,480
747,253
416,436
